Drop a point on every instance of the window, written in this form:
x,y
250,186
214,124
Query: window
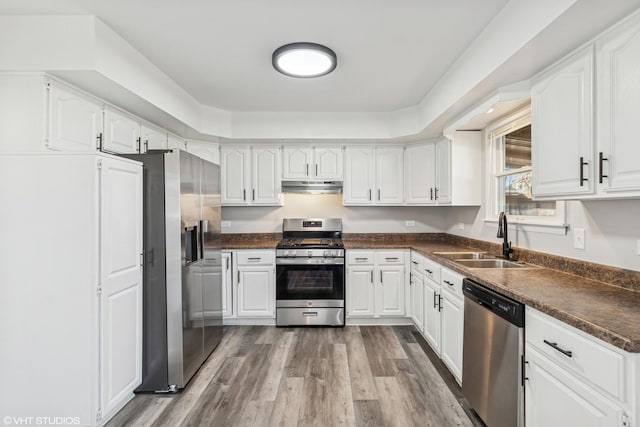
x,y
510,183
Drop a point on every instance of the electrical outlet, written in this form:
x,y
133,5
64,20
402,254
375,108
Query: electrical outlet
x,y
578,238
410,223
225,224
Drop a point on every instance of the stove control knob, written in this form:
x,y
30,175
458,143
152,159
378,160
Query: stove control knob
x,y
309,254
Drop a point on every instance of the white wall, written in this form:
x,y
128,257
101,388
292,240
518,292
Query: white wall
x,y
360,219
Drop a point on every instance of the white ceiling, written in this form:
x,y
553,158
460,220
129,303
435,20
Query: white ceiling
x,y
390,53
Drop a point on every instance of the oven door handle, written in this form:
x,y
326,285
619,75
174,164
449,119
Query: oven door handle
x,y
310,261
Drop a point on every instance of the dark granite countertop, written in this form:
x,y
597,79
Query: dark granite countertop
x,y
608,312
567,291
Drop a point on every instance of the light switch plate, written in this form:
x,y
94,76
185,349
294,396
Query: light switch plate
x,y
410,223
578,238
225,224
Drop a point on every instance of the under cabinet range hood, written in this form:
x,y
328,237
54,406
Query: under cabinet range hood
x,y
312,187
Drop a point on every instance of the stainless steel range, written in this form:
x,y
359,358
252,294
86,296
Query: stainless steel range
x,y
310,273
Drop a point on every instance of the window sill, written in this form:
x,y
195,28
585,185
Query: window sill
x,y
557,228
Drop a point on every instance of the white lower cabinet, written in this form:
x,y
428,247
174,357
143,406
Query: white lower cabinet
x,y
432,317
83,302
417,299
452,332
376,284
573,378
250,288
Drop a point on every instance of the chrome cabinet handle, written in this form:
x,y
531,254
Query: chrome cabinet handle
x,y
361,259
431,193
381,277
238,277
369,194
378,194
244,194
253,194
139,141
316,169
414,262
395,258
554,345
227,263
310,313
428,271
439,302
448,282
307,169
435,295
371,276
582,165
99,138
436,192
254,258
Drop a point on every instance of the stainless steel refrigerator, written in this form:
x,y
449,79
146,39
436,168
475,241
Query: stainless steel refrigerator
x,y
182,294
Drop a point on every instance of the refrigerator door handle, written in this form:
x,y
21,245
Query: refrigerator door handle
x,y
204,227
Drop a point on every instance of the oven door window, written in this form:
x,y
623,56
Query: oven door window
x,y
310,282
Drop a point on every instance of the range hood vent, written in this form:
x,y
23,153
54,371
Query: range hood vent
x,y
312,187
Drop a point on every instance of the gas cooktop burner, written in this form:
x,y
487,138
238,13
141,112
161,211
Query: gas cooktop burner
x,y
310,242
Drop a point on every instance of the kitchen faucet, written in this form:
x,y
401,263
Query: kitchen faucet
x,y
502,234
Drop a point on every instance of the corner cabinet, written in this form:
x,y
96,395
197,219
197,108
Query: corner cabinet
x,y
373,176
250,175
375,284
311,164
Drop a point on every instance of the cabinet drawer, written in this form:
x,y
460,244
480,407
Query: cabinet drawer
x,y
431,270
451,281
417,261
390,257
360,257
255,258
580,353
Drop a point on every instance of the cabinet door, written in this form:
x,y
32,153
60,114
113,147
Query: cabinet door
x,y
389,175
417,300
121,280
419,174
360,291
209,151
562,129
618,106
175,142
452,334
432,314
390,291
358,176
227,286
328,163
256,291
553,397
267,185
297,163
121,133
74,122
153,139
442,192
235,171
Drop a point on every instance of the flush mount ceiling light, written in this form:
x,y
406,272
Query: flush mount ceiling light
x,y
304,60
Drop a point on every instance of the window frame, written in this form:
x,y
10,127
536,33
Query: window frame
x,y
545,224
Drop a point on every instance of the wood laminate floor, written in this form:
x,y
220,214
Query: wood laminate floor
x,y
268,376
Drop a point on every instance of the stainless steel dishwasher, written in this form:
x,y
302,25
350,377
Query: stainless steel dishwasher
x,y
492,356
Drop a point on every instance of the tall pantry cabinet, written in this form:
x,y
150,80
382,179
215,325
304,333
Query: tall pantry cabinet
x,y
70,261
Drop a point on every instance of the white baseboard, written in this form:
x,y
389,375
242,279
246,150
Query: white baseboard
x,y
249,321
379,321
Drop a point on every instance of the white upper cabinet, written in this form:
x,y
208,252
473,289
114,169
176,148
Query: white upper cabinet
x,y
358,175
153,138
312,163
121,132
75,122
389,175
373,176
250,175
618,105
236,174
209,151
443,172
419,167
297,163
266,184
328,163
562,128
175,142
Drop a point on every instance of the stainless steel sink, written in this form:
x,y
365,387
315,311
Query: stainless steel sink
x,y
491,263
464,255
